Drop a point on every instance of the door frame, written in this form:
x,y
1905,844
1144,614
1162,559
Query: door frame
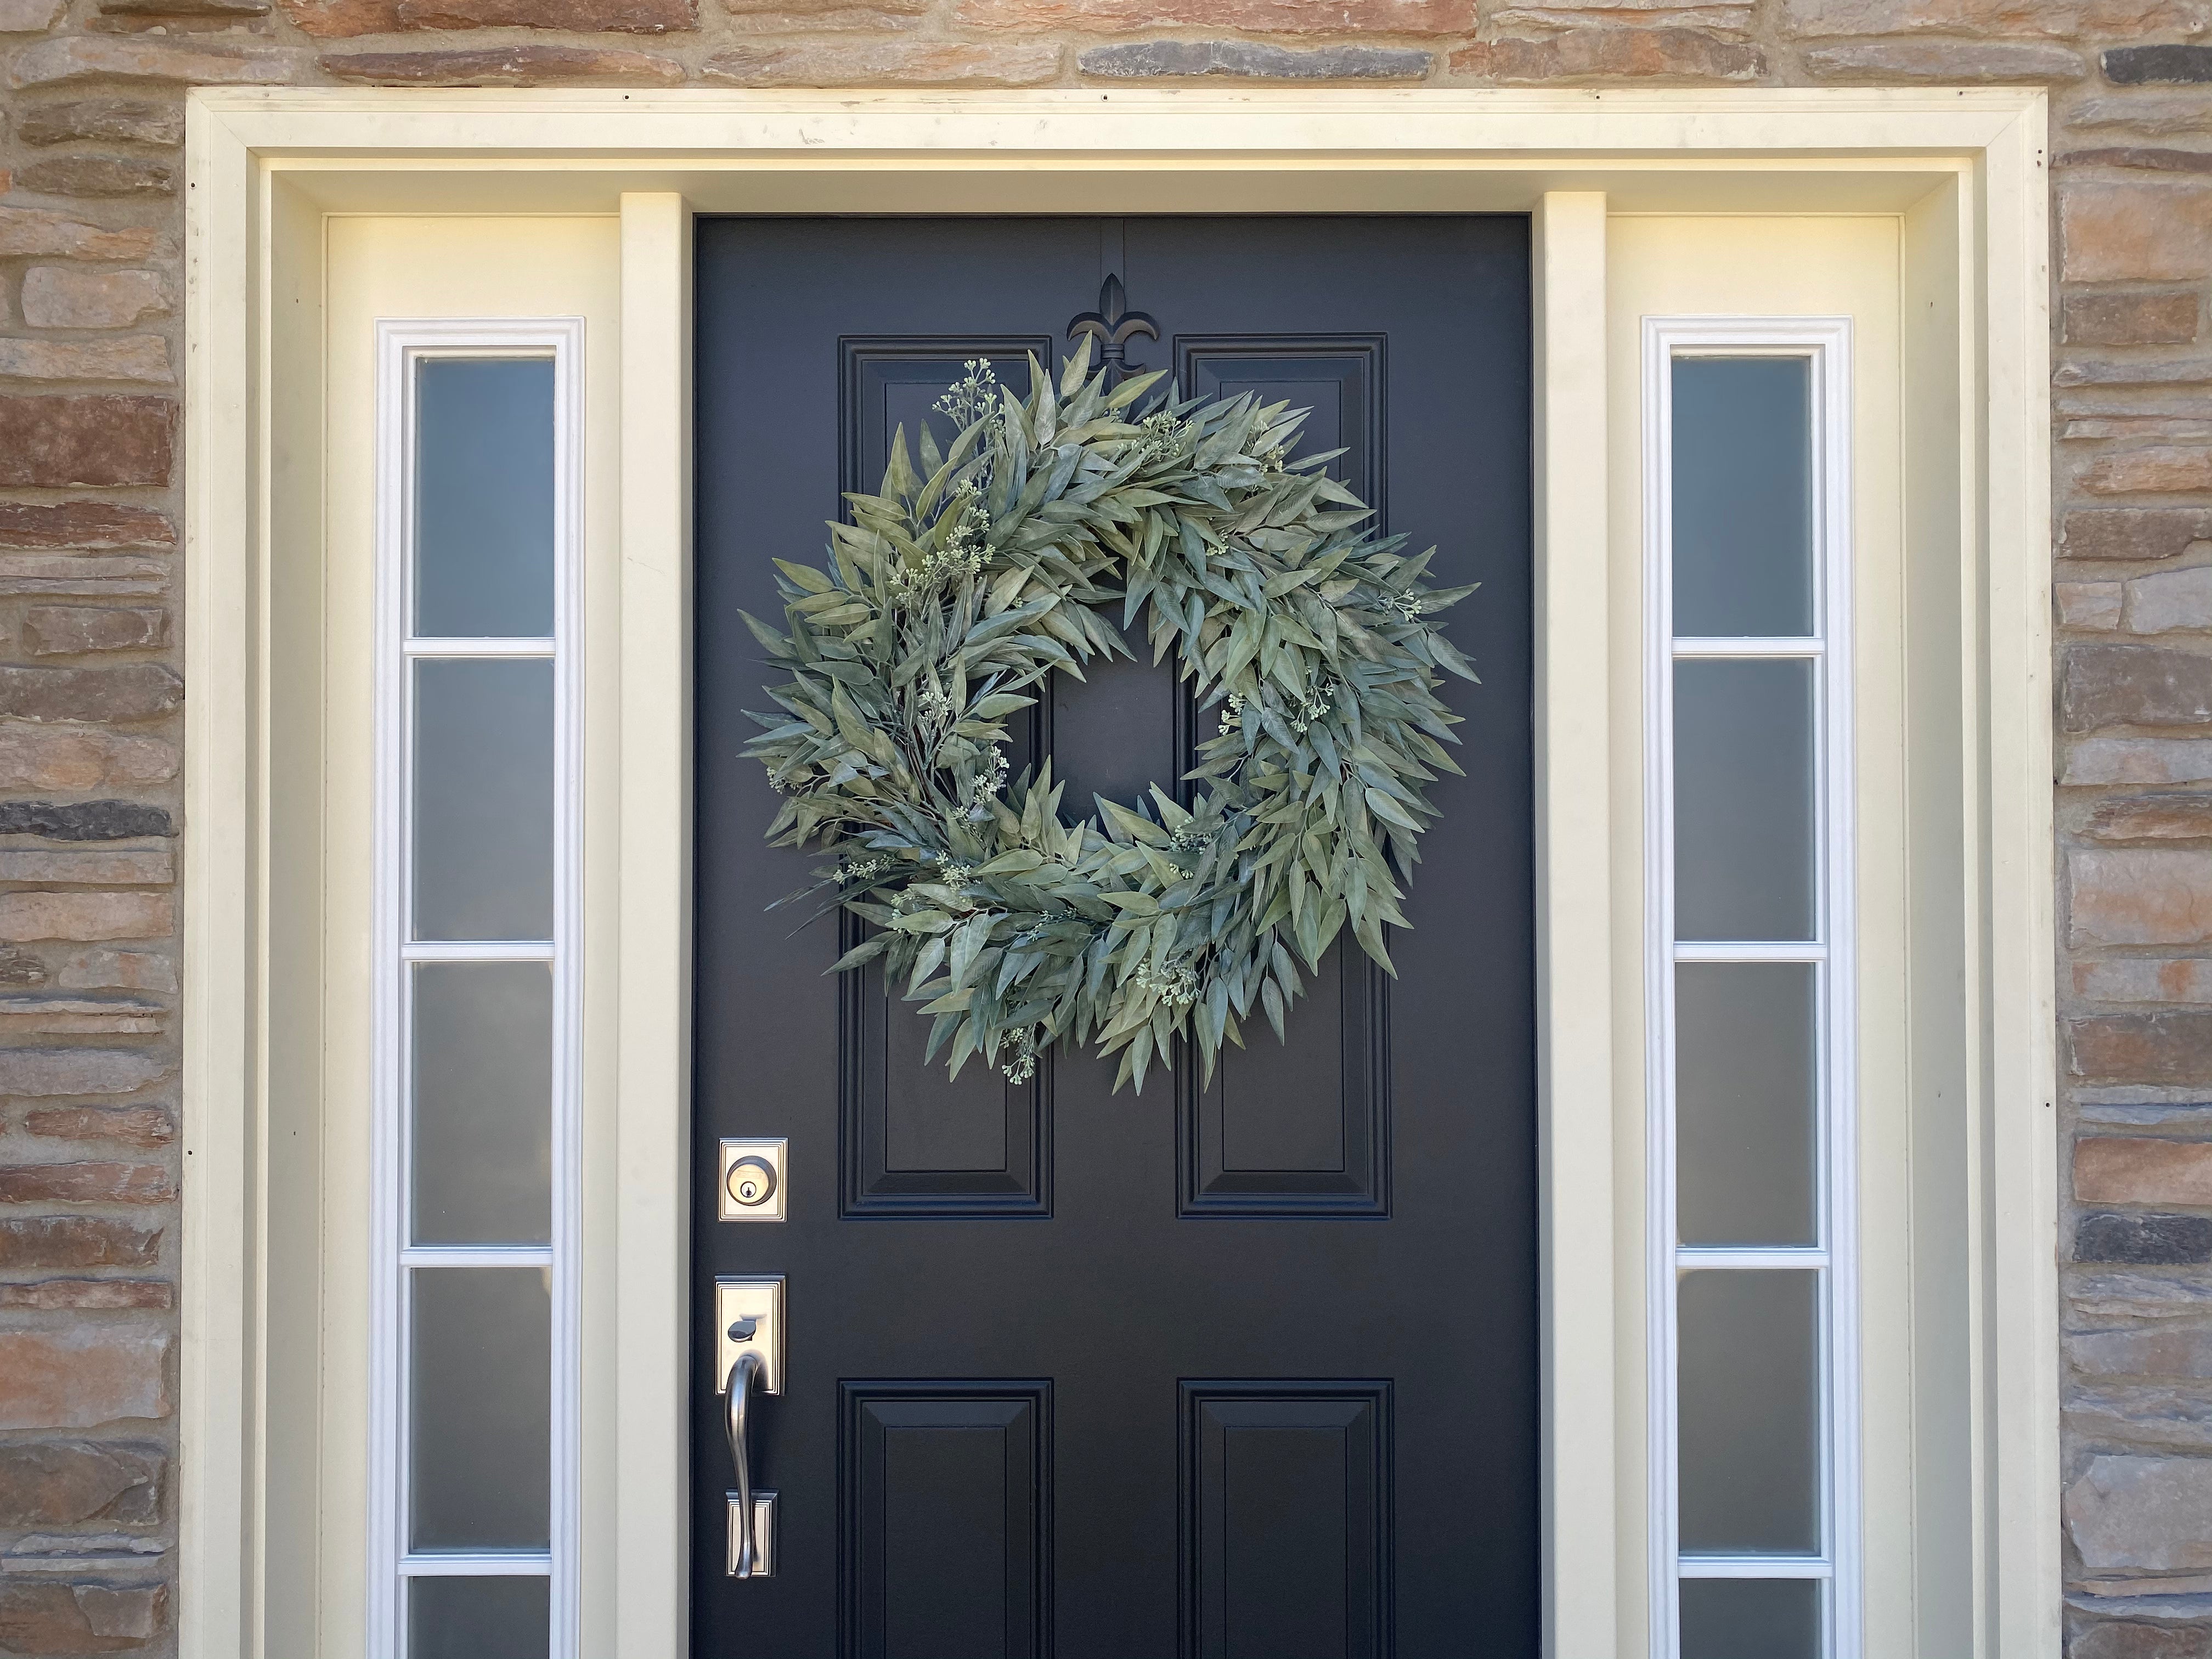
x,y
1964,169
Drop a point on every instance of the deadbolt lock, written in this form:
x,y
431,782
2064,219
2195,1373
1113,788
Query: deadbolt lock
x,y
752,1180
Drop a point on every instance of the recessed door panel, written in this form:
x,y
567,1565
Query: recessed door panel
x,y
947,1515
1286,1519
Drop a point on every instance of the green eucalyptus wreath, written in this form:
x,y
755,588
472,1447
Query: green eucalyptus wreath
x,y
962,585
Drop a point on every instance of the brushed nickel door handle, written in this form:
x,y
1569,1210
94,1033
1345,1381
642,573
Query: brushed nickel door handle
x,y
749,1359
747,1558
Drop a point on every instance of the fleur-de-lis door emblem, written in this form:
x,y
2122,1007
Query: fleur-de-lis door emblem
x,y
1113,325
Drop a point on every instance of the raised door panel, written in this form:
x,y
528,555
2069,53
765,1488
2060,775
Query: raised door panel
x,y
1286,1525
914,1141
946,1523
1301,1127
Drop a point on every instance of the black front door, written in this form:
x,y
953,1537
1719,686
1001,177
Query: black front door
x,y
1244,1371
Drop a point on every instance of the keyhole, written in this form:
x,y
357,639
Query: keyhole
x,y
751,1181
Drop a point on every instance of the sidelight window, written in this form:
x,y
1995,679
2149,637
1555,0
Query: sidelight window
x,y
1753,1357
472,1430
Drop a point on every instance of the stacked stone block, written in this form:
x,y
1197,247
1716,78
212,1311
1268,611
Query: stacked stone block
x,y
91,125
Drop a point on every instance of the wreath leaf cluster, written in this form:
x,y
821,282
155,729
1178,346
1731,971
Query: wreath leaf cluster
x,y
965,582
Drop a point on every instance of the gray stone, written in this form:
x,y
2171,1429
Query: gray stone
x,y
61,1072
1162,60
2145,1416
69,1482
138,692
2137,66
2134,685
108,120
2169,599
2142,1514
2138,1641
1946,60
84,820
2144,1240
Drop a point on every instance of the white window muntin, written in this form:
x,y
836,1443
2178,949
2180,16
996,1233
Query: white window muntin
x,y
1824,345
402,346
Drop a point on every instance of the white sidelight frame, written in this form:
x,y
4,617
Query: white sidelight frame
x,y
270,1443
401,346
1824,345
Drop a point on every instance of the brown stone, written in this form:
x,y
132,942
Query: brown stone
x,y
2144,979
2134,685
504,66
331,18
143,57
34,757
2130,1640
29,17
145,1127
80,1378
82,524
2059,18
48,1242
2139,898
108,120
65,1294
85,916
39,232
104,439
66,1483
2142,1169
875,63
207,10
2119,232
2159,114
2148,159
135,357
63,574
63,630
2169,1046
118,970
85,1183
1259,17
1986,61
89,866
2161,319
2166,468
80,1016
2133,532
2182,1350
1626,53
2153,817
888,16
99,175
73,1617
2088,605
137,692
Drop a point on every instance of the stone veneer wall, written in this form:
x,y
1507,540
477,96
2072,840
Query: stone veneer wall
x,y
90,348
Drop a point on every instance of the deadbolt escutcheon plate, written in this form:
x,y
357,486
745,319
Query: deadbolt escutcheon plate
x,y
753,1180
759,1299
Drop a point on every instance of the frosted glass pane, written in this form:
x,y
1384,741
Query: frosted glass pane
x,y
1750,1411
1751,1619
479,1618
484,496
482,1408
483,1091
1743,497
1744,1057
1743,800
483,800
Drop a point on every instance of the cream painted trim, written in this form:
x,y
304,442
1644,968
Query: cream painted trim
x,y
263,165
1574,921
650,1596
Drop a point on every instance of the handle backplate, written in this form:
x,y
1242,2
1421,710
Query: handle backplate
x,y
759,1299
